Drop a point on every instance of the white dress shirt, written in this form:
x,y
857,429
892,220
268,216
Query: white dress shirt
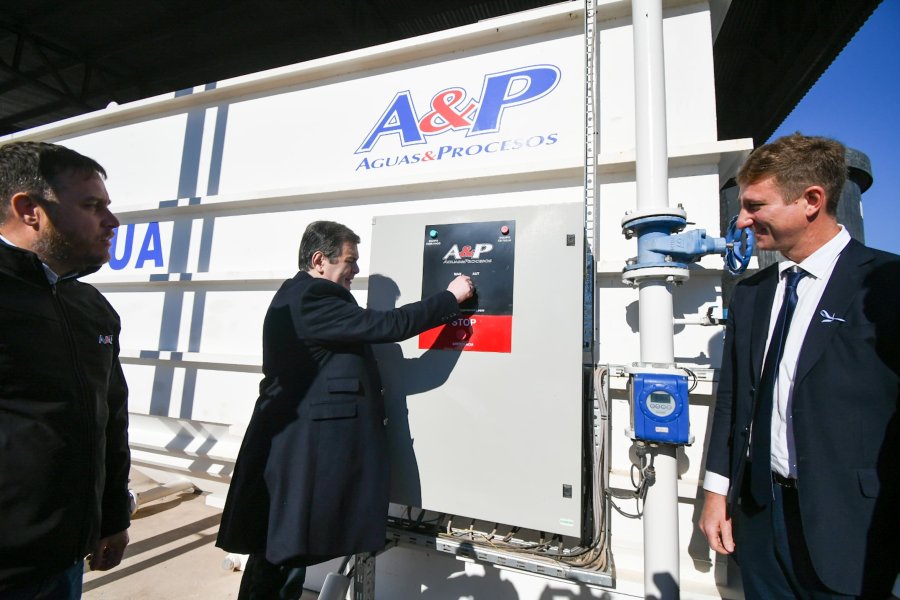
x,y
818,267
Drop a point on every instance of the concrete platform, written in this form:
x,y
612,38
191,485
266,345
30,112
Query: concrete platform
x,y
171,556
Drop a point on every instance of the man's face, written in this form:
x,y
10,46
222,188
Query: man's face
x,y
80,227
344,269
776,224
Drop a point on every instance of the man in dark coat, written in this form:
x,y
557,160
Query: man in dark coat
x,y
803,468
63,416
311,479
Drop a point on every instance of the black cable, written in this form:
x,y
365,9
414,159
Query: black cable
x,y
693,376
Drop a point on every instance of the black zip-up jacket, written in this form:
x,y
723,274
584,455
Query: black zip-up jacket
x,y
64,456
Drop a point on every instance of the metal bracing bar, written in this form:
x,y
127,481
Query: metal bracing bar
x,y
590,113
67,59
29,80
590,179
510,560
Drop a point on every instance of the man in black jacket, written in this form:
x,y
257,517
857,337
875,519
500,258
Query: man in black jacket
x,y
63,419
311,479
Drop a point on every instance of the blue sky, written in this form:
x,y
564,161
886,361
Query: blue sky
x,y
857,101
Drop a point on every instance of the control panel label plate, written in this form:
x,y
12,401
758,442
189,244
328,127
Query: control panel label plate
x,y
485,251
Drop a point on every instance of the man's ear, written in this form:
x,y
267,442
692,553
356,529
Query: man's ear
x,y
25,210
318,260
815,200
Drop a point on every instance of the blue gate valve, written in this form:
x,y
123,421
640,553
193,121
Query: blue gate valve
x,y
659,247
739,246
683,248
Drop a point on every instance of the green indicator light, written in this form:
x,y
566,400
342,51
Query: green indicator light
x,y
432,234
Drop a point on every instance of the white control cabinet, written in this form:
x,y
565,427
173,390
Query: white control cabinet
x,y
485,414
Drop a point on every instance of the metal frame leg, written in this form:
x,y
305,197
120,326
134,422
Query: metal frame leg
x,y
364,576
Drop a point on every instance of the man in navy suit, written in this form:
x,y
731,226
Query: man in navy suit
x,y
311,479
803,464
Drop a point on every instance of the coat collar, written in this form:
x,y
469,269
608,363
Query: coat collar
x,y
843,285
305,279
25,265
21,264
762,313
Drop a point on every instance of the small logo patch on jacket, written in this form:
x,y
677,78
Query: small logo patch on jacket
x,y
827,318
106,339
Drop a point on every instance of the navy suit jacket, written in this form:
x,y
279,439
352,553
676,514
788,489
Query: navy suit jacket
x,y
844,415
311,479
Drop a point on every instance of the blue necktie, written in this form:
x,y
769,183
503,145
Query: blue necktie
x,y
761,440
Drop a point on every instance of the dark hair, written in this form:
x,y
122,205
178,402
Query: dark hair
x,y
327,236
34,168
798,161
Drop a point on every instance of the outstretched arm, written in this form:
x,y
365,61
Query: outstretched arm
x,y
462,288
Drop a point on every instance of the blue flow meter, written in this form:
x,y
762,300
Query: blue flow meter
x,y
659,400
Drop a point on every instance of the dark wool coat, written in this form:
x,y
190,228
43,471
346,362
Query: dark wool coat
x,y
311,478
844,416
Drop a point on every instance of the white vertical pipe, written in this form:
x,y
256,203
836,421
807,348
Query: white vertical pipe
x,y
656,322
661,568
661,564
650,105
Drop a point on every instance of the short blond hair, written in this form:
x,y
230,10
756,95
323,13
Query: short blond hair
x,y
798,161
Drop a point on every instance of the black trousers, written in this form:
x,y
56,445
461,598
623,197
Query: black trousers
x,y
772,553
264,581
65,585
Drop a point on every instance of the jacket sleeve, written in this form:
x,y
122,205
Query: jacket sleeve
x,y
327,312
721,438
116,513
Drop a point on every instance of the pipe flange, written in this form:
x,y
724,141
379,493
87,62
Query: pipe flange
x,y
667,263
677,275
664,211
666,224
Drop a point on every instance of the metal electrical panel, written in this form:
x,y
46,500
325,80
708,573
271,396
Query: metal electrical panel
x,y
485,413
